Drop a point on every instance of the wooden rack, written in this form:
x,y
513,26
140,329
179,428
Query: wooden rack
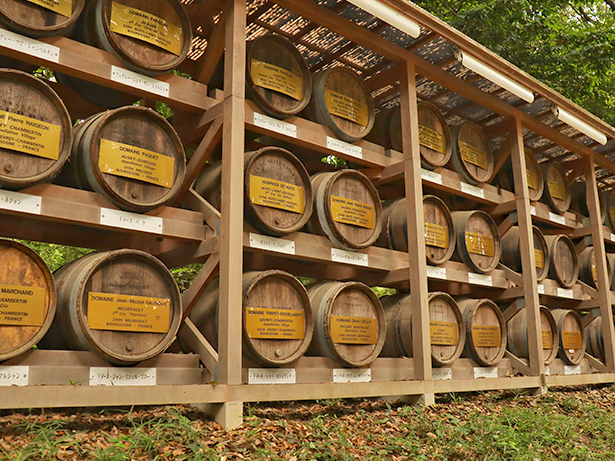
x,y
398,69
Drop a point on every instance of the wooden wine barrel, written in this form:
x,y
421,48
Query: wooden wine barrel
x,y
347,209
130,155
595,339
98,95
434,135
533,172
571,336
277,190
34,20
485,331
122,305
148,36
471,155
578,201
439,229
342,102
446,327
511,251
276,317
557,190
587,267
611,259
36,140
27,299
349,323
518,339
278,79
564,264
478,240
608,199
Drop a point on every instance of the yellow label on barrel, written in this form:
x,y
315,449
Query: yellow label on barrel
x,y
547,339
443,333
139,24
479,244
354,330
594,273
539,256
435,235
432,139
262,323
30,136
346,107
348,211
486,335
557,188
114,312
63,7
277,79
532,178
276,194
23,306
572,340
474,155
134,162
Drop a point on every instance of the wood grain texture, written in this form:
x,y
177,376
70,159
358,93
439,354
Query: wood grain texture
x,y
533,172
472,223
511,251
480,315
518,337
569,323
564,265
557,190
587,268
473,135
33,20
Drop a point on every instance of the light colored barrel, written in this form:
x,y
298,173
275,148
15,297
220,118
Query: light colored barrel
x,y
434,135
30,18
511,251
478,240
148,36
278,79
595,339
485,331
557,190
277,190
349,323
276,320
587,267
342,102
533,172
447,330
518,339
122,305
571,336
130,155
564,264
27,299
347,209
36,140
471,155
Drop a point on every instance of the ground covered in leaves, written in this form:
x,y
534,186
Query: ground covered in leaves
x,y
570,424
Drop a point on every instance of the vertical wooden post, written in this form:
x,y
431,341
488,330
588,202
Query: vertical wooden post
x,y
604,287
528,259
416,225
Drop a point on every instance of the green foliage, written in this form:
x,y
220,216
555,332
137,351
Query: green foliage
x,y
55,256
381,291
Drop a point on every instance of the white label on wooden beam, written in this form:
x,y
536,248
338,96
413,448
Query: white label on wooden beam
x,y
29,46
472,190
557,218
547,370
109,376
272,376
275,125
572,370
565,293
485,372
16,201
532,210
442,373
272,244
349,257
14,376
430,176
612,237
131,221
344,148
141,82
479,279
345,375
541,289
436,272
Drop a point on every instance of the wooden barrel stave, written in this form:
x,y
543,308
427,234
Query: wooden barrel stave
x,y
471,154
595,339
511,251
30,19
578,201
518,340
486,335
557,190
564,264
587,267
534,176
478,240
571,336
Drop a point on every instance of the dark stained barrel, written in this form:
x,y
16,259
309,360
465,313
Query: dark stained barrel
x,y
578,201
35,141
518,339
557,190
587,267
122,305
27,299
571,336
349,323
478,240
471,156
40,18
276,317
486,335
277,76
511,251
564,265
533,172
595,339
